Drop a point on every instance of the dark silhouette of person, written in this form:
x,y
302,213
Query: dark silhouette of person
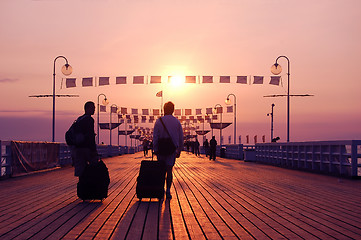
x,y
145,147
275,139
206,147
213,147
196,147
175,130
85,152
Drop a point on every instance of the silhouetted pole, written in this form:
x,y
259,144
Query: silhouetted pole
x,y
277,69
220,129
235,114
271,114
66,70
110,123
105,102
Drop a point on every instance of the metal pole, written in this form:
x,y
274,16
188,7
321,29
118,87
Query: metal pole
x,y
110,127
53,123
235,115
272,122
98,132
288,95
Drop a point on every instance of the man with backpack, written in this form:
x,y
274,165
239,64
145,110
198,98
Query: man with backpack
x,y
84,150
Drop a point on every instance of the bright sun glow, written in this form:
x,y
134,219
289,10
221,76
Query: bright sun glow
x,y
176,80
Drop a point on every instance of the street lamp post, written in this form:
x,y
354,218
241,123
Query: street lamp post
x,y
66,70
228,101
271,114
277,69
110,123
220,129
105,102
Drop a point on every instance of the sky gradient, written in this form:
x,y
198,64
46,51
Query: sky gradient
x,y
155,37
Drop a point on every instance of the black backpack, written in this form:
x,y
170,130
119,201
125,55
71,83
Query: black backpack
x,y
73,136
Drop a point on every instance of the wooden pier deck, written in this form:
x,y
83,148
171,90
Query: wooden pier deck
x,y
225,199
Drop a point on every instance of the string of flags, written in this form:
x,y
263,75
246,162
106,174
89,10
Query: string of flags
x,y
105,81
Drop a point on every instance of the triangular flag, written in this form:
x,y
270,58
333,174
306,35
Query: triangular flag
x,y
159,94
229,109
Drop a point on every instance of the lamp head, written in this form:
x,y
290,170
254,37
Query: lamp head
x,y
276,69
105,101
228,101
66,69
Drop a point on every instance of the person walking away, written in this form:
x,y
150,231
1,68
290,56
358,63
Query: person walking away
x,y
85,152
174,128
213,147
196,147
206,147
145,147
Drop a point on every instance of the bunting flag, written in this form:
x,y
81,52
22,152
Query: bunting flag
x,y
70,82
134,111
275,80
207,79
159,94
151,119
127,116
187,112
129,120
198,111
136,119
123,110
209,110
156,112
145,111
155,79
183,118
138,80
87,82
103,81
121,80
191,79
219,109
242,79
199,117
225,79
102,108
121,121
191,117
207,117
113,109
257,79
214,117
144,119
178,112
229,109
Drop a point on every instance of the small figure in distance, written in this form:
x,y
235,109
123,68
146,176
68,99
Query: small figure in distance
x,y
196,147
206,147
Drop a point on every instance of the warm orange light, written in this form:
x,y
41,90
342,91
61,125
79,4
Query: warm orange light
x,y
176,80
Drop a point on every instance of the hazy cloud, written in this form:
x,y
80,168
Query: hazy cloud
x,y
4,80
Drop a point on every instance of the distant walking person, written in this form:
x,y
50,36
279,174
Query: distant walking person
x,y
206,147
165,127
85,152
213,147
196,147
145,147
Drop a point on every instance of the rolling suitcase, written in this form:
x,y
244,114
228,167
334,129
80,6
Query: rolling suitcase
x,y
150,182
93,184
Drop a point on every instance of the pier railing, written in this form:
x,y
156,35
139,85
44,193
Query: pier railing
x,y
18,157
332,157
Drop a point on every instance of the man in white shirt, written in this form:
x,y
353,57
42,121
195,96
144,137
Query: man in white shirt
x,y
175,130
